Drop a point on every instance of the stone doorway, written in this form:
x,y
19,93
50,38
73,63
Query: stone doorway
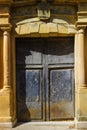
x,y
45,79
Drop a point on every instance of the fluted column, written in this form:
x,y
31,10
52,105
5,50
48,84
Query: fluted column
x,y
6,60
81,59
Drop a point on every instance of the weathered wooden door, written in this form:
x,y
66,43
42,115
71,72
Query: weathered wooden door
x,y
45,78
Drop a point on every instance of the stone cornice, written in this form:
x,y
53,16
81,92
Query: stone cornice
x,y
80,25
82,13
6,2
82,16
17,2
30,2
51,1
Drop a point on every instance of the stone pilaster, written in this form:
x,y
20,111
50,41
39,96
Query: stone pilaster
x,y
81,59
5,93
80,77
6,59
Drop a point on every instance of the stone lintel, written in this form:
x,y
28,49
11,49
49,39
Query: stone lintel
x,y
45,28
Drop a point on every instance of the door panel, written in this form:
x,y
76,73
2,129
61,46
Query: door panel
x,y
61,94
33,85
29,94
34,93
45,79
29,80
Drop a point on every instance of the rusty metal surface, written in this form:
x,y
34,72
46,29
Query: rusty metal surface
x,y
45,79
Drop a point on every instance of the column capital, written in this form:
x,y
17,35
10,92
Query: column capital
x,y
6,28
81,27
81,31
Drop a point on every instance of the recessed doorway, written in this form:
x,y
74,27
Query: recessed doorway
x,y
45,79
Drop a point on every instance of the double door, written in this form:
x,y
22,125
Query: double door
x,y
45,79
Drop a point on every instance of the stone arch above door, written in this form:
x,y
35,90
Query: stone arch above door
x,y
36,27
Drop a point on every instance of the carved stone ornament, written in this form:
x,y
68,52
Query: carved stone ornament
x,y
43,10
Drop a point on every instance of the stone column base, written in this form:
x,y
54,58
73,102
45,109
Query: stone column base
x,y
8,124
81,125
6,114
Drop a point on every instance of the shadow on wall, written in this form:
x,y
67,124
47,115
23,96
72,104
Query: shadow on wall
x,y
23,114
